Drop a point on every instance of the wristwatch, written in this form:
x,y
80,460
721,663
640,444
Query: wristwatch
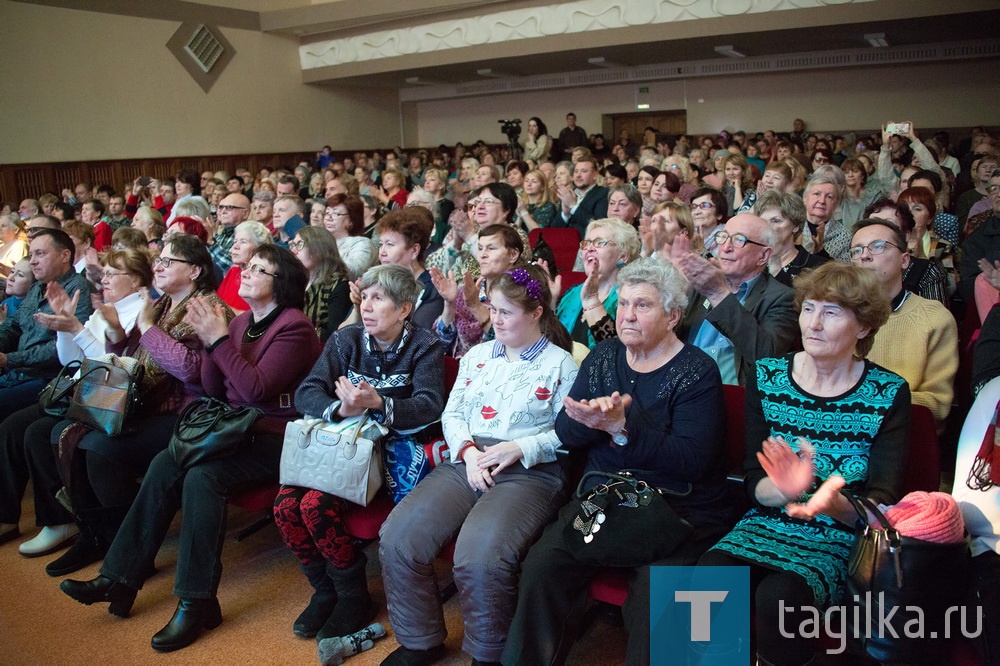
x,y
621,439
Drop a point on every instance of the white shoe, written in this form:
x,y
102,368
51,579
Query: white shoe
x,y
49,540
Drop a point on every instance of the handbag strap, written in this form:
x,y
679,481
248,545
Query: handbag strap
x,y
609,477
67,370
201,403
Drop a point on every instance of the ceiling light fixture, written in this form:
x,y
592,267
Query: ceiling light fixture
x,y
729,51
876,40
601,61
490,73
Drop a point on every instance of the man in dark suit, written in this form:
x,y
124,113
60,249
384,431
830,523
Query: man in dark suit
x,y
586,201
737,313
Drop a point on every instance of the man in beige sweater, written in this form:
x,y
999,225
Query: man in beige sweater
x,y
920,340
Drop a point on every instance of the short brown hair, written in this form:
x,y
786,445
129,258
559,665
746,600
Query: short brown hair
x,y
414,223
80,231
355,211
852,287
133,261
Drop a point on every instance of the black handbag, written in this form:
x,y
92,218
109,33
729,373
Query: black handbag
x,y
54,398
623,522
209,428
917,579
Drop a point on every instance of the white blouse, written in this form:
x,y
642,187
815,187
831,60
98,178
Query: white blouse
x,y
510,401
91,341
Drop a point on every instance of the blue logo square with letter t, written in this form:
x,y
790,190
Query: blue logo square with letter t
x,y
699,616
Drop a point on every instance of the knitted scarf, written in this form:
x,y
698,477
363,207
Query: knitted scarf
x,y
986,469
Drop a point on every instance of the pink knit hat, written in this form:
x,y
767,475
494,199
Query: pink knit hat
x,y
933,517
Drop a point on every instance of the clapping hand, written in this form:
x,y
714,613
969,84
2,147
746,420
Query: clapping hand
x,y
355,288
825,500
704,276
145,320
991,272
566,196
63,319
791,473
605,413
207,319
555,283
356,399
445,284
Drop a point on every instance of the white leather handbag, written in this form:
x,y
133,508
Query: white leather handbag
x,y
343,459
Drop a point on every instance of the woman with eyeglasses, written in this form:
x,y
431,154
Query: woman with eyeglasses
x,y
587,311
247,237
345,219
681,167
710,212
328,294
256,360
785,214
102,484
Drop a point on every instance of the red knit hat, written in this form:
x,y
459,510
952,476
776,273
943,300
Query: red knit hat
x,y
933,517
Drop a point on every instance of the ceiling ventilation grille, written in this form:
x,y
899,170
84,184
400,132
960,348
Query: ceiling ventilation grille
x,y
205,48
715,67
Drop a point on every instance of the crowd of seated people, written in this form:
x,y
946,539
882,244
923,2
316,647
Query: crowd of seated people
x,y
816,270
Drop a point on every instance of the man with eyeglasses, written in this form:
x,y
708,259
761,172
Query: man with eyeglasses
x,y
982,245
28,357
232,210
919,342
738,312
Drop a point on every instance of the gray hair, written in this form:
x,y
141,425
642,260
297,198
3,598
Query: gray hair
x,y
424,196
264,195
256,231
631,193
661,275
622,233
397,281
828,174
192,207
790,205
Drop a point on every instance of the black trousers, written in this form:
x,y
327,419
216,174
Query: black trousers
x,y
201,492
25,453
553,597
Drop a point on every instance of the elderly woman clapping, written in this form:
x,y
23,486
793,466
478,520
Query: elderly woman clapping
x,y
822,232
647,402
588,310
804,442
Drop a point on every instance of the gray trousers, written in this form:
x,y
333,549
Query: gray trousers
x,y
495,530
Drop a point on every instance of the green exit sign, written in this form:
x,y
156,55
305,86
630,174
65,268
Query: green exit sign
x,y
644,89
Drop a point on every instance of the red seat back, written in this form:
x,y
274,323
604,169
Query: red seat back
x,y
565,244
735,399
923,464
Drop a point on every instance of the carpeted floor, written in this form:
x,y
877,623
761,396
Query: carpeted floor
x,y
261,593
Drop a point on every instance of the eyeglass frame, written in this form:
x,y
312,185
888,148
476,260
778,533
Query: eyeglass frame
x,y
856,251
739,240
597,243
257,269
110,274
167,261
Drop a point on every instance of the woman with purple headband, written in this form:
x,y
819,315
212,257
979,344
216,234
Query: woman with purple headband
x,y
499,490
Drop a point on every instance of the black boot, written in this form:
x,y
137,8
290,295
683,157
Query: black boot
x,y
355,608
322,603
85,551
101,589
403,656
190,618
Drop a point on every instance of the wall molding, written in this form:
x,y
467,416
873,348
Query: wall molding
x,y
581,16
864,57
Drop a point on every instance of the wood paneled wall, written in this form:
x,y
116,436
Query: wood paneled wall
x,y
29,181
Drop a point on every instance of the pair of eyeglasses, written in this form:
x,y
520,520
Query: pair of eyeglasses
x,y
167,261
992,189
597,242
107,275
704,205
739,240
296,244
227,207
486,201
257,269
821,160
875,247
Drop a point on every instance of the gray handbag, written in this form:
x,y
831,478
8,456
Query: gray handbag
x,y
343,459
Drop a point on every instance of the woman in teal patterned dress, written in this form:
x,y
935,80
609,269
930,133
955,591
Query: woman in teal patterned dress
x,y
817,421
